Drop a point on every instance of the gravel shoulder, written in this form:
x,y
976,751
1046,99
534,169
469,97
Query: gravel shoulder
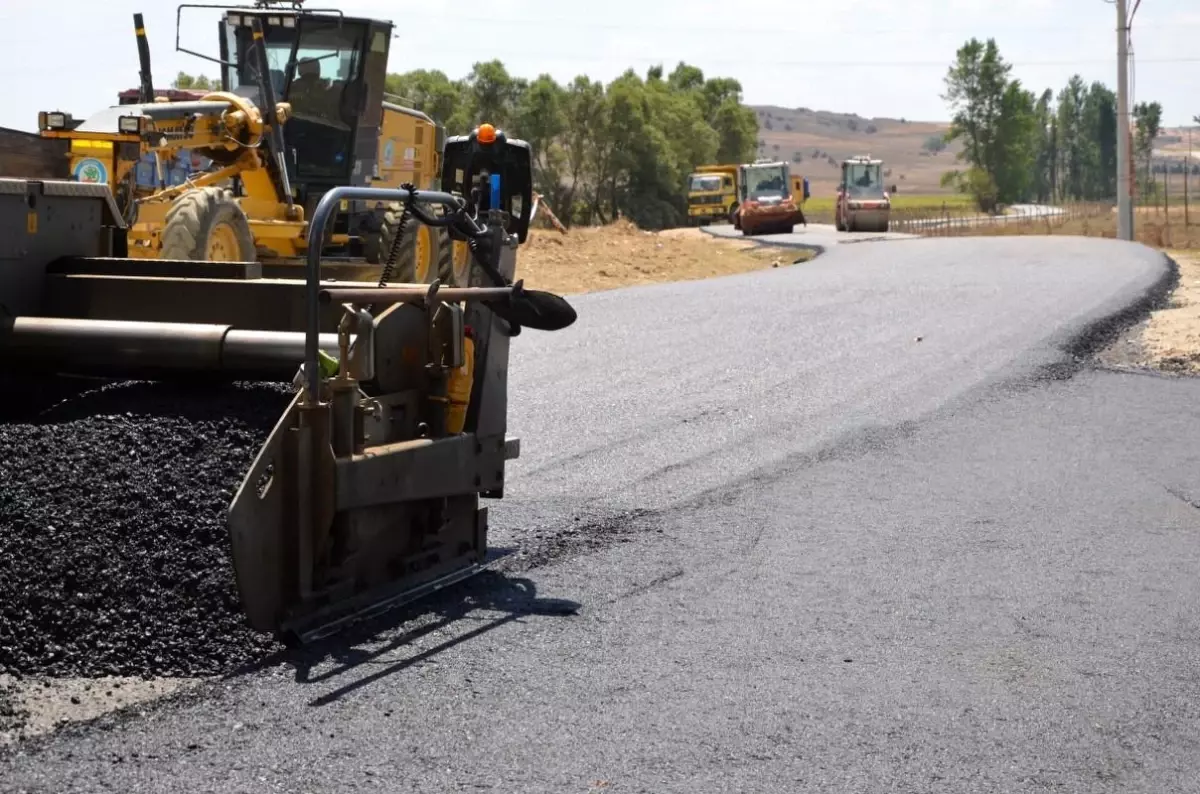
x,y
1168,340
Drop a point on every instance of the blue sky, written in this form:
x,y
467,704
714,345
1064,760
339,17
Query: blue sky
x,y
872,57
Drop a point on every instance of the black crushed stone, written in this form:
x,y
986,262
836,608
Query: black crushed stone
x,y
114,553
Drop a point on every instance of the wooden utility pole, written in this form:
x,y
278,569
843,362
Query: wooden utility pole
x,y
1167,192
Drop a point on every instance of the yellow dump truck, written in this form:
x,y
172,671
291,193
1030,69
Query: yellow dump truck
x,y
712,194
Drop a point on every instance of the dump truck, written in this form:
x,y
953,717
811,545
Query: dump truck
x,y
294,117
712,194
766,201
368,492
862,205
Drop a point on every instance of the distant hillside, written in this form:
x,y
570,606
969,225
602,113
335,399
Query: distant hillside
x,y
1177,143
817,140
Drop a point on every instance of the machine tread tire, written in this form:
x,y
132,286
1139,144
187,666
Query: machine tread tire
x,y
445,258
405,270
191,219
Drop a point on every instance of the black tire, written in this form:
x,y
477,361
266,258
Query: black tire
x,y
404,271
194,216
462,263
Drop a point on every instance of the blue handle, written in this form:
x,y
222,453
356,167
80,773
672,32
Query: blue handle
x,y
495,200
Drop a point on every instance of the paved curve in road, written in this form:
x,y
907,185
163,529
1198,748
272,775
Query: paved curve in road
x,y
846,526
822,236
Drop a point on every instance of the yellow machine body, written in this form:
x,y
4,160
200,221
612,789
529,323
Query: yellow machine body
x,y
264,223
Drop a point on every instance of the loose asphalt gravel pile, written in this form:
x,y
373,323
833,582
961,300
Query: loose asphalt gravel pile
x,y
114,555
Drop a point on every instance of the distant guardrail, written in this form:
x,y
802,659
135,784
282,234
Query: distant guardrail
x,y
1029,217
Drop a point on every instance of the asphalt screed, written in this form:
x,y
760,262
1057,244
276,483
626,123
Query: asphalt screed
x,y
114,553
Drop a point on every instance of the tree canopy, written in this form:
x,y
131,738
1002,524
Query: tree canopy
x,y
1019,146
599,150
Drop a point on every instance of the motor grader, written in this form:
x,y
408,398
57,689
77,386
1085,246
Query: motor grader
x,y
294,117
367,493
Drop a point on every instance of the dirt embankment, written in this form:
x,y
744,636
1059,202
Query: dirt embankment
x,y
1169,339
589,259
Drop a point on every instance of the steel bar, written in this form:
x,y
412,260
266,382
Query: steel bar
x,y
115,347
412,294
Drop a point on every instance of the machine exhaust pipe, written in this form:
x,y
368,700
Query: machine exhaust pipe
x,y
117,348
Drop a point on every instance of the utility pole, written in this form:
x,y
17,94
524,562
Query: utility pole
x,y
1124,162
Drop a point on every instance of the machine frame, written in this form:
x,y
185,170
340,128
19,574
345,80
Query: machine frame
x,y
366,494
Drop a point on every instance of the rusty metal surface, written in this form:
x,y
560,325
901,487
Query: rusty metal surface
x,y
25,154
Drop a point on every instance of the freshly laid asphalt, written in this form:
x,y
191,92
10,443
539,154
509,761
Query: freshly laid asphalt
x,y
823,236
864,524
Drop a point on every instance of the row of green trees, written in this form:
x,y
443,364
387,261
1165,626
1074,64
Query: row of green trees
x,y
600,150
1019,146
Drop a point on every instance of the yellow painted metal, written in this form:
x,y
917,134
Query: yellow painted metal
x,y
408,153
424,264
458,388
222,244
408,150
90,137
461,262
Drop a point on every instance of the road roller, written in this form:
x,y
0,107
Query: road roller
x,y
368,492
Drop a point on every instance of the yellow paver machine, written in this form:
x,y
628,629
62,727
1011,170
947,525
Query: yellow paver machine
x,y
367,493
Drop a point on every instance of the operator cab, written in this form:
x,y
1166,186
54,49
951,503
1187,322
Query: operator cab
x,y
331,70
766,182
862,178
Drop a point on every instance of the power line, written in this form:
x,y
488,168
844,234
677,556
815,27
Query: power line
x,y
809,31
822,64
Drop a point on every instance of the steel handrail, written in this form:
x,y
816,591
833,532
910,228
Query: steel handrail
x,y
316,240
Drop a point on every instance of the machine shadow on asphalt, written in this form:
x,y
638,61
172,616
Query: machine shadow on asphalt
x,y
373,640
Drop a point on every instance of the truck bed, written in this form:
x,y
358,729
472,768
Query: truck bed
x,y
29,156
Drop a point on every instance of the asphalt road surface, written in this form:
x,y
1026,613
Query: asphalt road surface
x,y
773,542
822,236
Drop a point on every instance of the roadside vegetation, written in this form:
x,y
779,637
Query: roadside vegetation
x,y
600,151
1019,146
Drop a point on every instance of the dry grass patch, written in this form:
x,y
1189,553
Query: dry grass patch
x,y
1155,228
